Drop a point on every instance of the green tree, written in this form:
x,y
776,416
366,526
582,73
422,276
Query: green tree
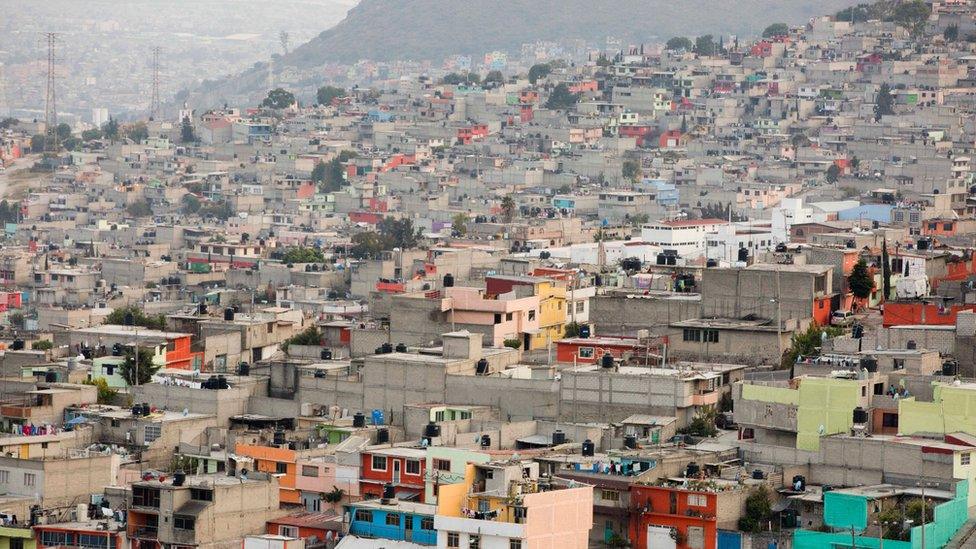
x,y
398,233
884,103
8,123
106,394
72,143
561,98
513,343
951,33
139,208
508,208
111,130
913,15
493,78
42,345
602,61
860,281
705,45
885,269
539,71
63,131
833,173
190,204
631,170
38,142
776,29
141,374
221,210
366,245
91,135
310,336
758,511
278,98
121,317
703,424
807,343
680,43
459,225
326,94
137,132
319,171
187,134
302,254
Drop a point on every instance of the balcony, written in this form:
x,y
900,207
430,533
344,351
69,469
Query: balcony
x,y
146,532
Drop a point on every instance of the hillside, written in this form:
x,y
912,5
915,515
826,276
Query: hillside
x,y
432,29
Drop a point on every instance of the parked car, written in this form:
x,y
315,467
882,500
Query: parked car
x,y
841,318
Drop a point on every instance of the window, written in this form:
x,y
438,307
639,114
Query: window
x,y
413,467
691,334
453,539
580,307
697,500
889,420
145,497
289,531
610,495
54,539
152,432
710,336
183,522
474,542
91,541
281,467
508,317
964,458
379,463
29,479
442,464
427,523
363,515
200,494
498,318
392,519
899,364
310,471
531,314
514,544
4,476
586,352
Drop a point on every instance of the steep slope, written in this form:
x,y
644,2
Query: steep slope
x,y
430,29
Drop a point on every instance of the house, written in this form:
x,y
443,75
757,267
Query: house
x,y
403,468
393,520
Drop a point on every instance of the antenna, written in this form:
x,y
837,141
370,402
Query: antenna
x,y
51,101
154,101
285,39
4,107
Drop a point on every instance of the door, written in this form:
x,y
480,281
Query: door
x,y
396,471
408,527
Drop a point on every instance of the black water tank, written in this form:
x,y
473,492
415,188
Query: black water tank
x,y
382,436
202,308
781,247
799,481
692,470
482,367
432,430
662,259
17,345
950,368
389,492
558,437
672,260
711,263
243,369
588,448
228,314
179,478
911,345
606,360
448,280
319,374
51,376
222,382
924,243
584,331
630,442
860,415
743,254
359,419
279,437
137,410
485,441
758,474
869,363
387,348
326,354
401,348
146,409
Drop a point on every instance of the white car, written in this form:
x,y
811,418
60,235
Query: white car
x,y
841,318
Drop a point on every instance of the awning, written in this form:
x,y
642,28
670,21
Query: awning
x,y
781,505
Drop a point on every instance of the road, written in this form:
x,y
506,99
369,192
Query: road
x,y
16,177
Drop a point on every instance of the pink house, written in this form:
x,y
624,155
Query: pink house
x,y
321,475
499,317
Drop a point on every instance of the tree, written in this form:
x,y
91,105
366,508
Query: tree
x,y
602,61
703,424
679,43
326,94
8,123
311,336
186,131
951,33
63,131
398,233
758,511
631,170
638,220
705,45
278,98
137,132
860,281
366,245
493,78
38,141
91,135
72,143
302,254
508,209
561,98
111,129
884,103
106,394
807,343
539,71
459,225
220,210
833,173
334,496
42,345
912,15
776,29
121,317
139,208
190,204
142,373
885,269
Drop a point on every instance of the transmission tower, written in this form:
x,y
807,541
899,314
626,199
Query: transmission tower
x,y
51,102
154,102
4,106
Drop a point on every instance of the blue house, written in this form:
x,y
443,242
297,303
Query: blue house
x,y
398,521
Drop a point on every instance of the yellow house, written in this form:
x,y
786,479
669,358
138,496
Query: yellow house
x,y
952,410
552,311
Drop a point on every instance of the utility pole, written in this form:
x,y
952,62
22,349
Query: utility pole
x,y
154,101
51,102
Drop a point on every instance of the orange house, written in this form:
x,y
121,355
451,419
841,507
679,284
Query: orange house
x,y
276,461
691,514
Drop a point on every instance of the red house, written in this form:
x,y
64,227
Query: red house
x,y
402,467
579,350
690,516
471,133
322,526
